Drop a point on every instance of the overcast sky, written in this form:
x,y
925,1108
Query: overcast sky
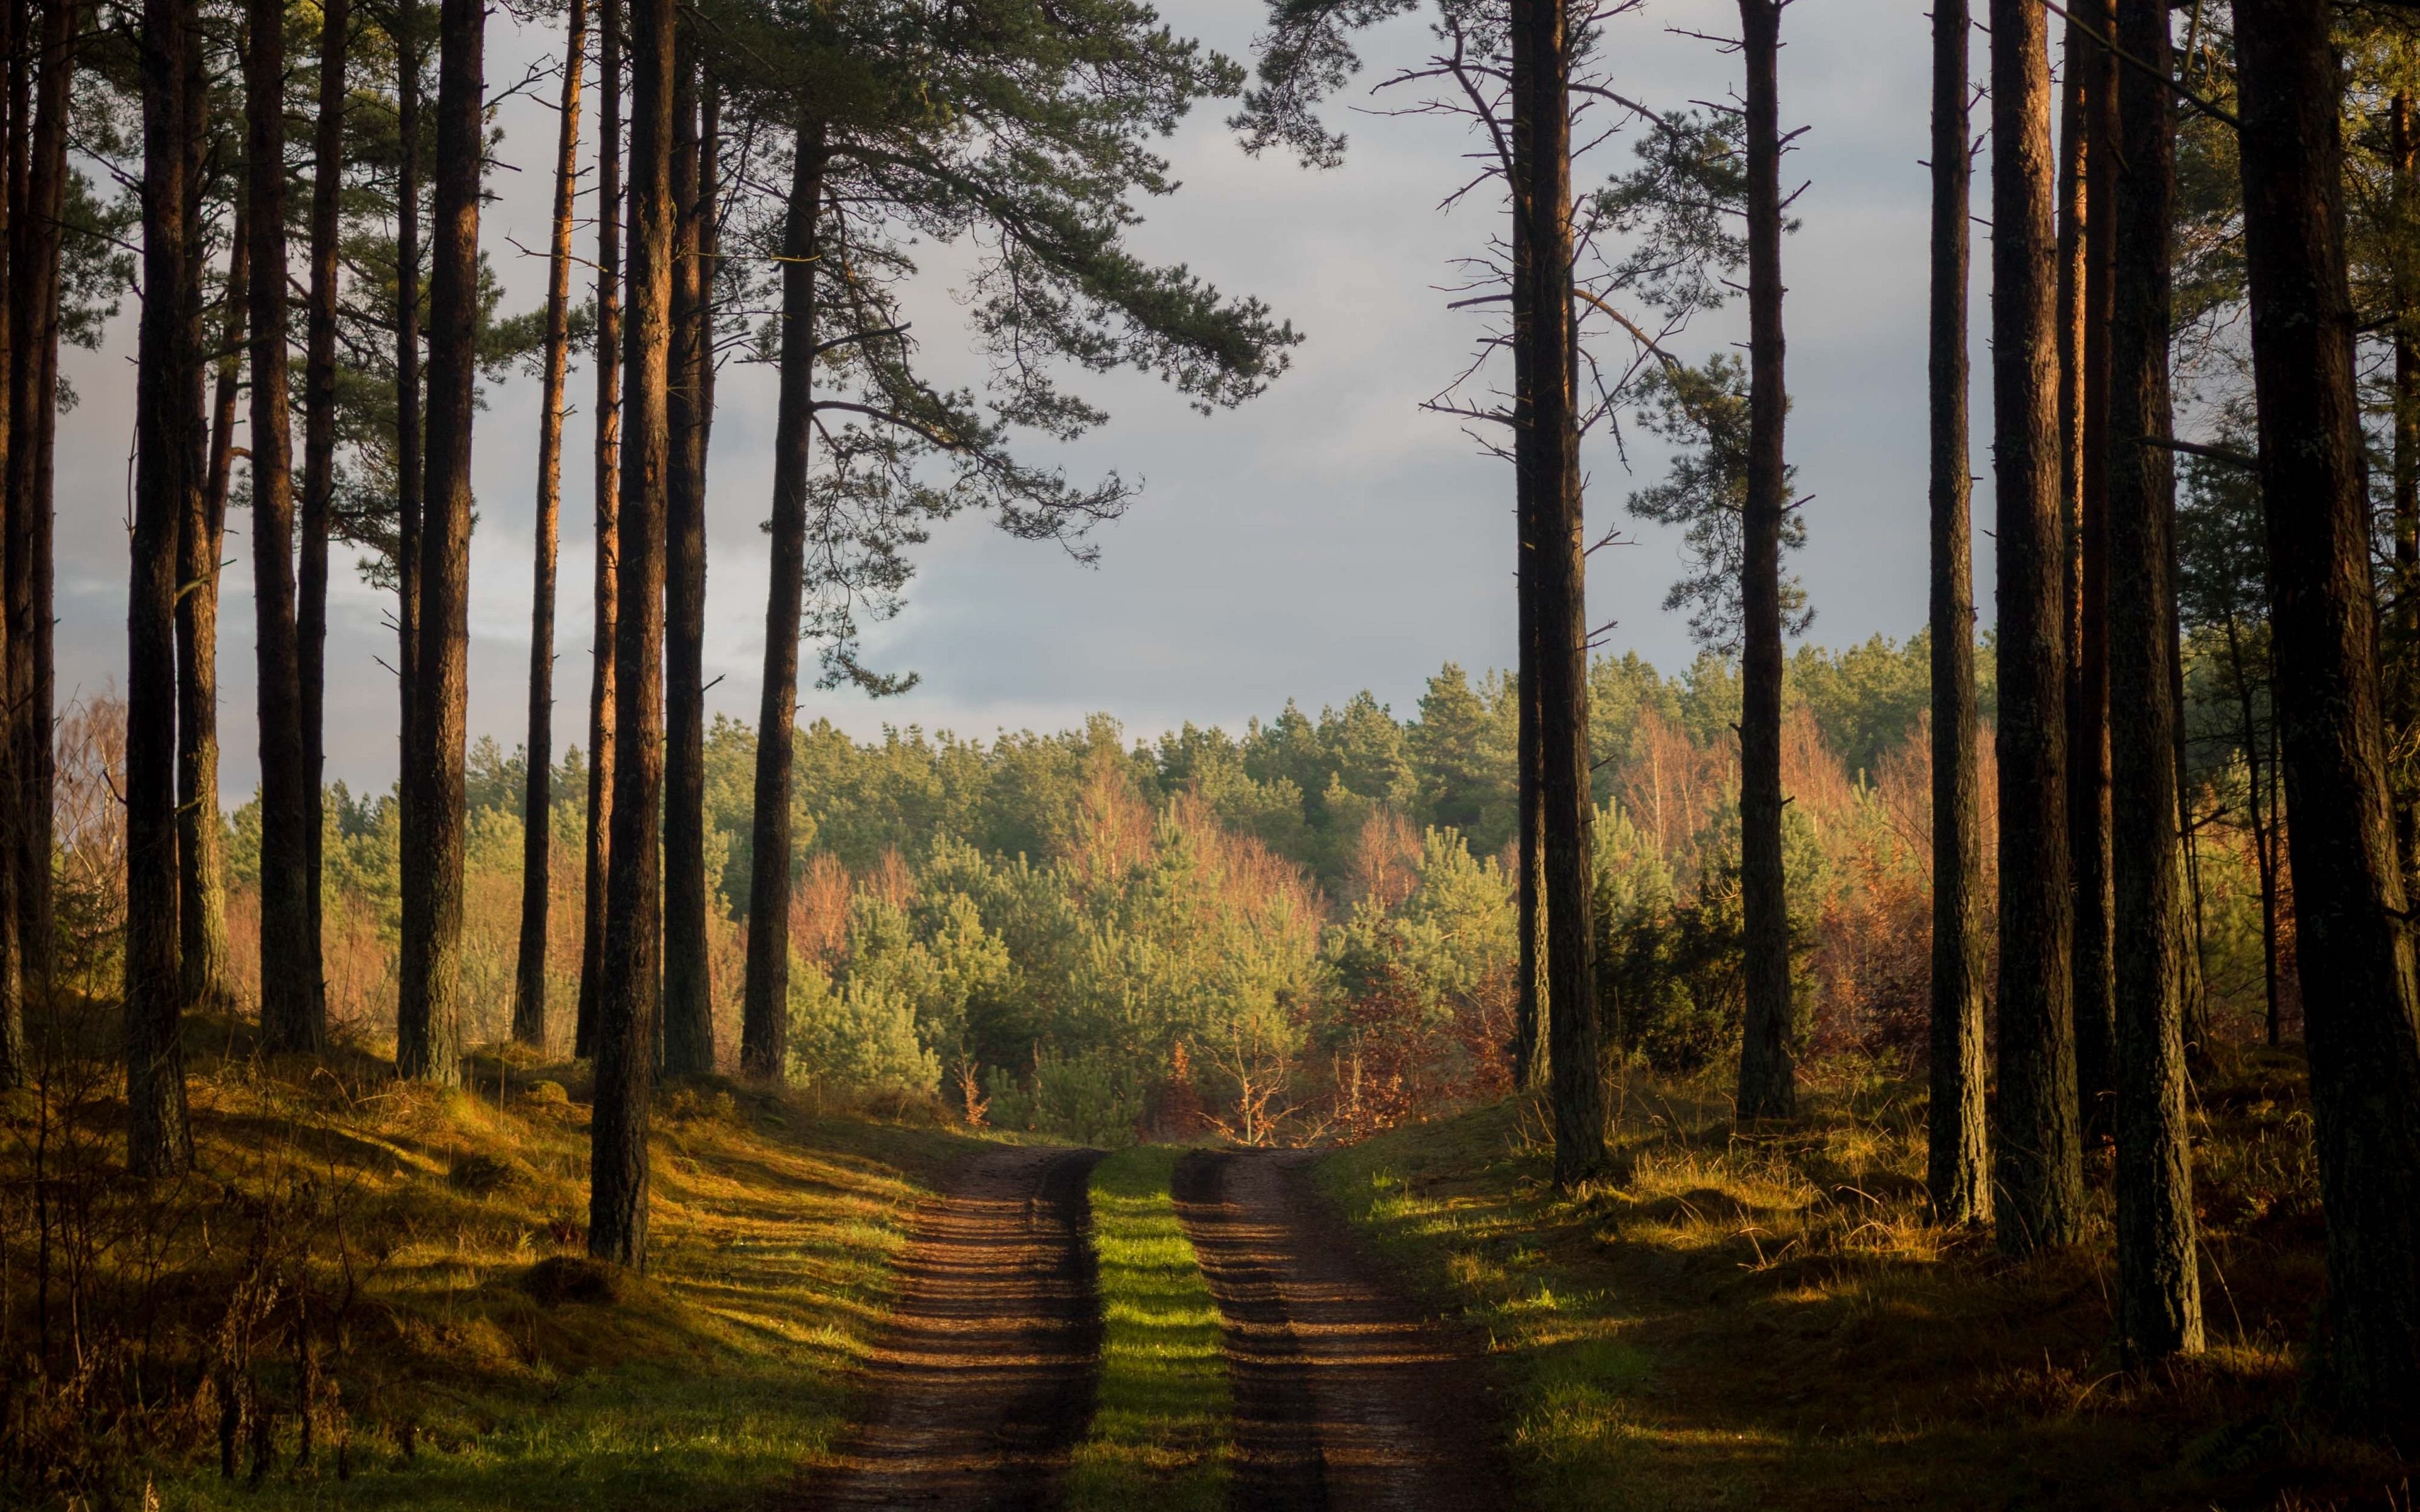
x,y
1327,537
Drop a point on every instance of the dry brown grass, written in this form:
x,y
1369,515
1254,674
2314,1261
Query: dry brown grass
x,y
1773,1322
357,1255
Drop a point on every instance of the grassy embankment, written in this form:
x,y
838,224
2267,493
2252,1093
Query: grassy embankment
x,y
399,1268
1772,1323
1160,1432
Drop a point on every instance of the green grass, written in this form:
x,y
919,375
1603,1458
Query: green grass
x,y
1773,1322
1160,1433
722,1377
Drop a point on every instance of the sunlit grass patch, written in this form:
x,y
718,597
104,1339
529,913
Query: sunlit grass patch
x,y
1161,1431
1771,1319
415,1221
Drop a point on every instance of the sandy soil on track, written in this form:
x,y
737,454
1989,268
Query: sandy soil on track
x,y
1346,1395
985,1375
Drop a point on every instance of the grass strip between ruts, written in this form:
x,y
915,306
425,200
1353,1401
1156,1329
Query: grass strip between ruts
x,y
1161,1429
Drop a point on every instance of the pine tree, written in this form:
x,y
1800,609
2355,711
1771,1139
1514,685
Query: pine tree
x,y
630,997
538,802
290,1003
1955,1168
2159,1282
2360,1002
2037,1165
159,1138
428,1044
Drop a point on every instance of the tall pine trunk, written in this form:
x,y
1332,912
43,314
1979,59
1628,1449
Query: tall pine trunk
x,y
159,1138
599,849
1530,1059
2355,952
631,991
33,389
13,24
289,976
688,1005
765,1010
408,462
1768,1085
319,441
429,1043
2403,643
1545,406
200,535
537,799
2036,1165
2159,1285
1955,1169
2094,69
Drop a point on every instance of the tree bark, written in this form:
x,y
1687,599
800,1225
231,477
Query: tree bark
x,y
765,1010
1955,1168
2355,956
1768,1083
689,1004
13,22
319,451
2038,1168
2402,661
289,975
2159,1282
1530,1056
33,389
2088,680
408,462
159,1138
630,995
537,799
202,532
429,1046
601,700
1542,302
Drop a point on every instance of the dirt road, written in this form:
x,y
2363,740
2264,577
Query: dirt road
x,y
1345,1395
984,1377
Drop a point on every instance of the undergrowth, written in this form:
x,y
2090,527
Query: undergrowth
x,y
1160,1431
384,1284
1727,1320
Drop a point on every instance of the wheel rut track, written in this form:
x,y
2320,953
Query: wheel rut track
x,y
985,1377
1346,1395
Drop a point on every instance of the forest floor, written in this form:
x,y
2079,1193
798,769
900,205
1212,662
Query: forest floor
x,y
1769,1322
375,1295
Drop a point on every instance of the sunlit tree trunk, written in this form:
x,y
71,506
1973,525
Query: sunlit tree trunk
x,y
598,849
409,461
1768,1086
2355,947
1955,1169
688,1005
764,1032
2159,1282
289,976
158,1136
2086,287
320,443
200,535
537,799
630,994
429,1043
33,389
2036,1163
1541,300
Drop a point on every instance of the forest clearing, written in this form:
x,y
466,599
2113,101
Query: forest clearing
x,y
938,1021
